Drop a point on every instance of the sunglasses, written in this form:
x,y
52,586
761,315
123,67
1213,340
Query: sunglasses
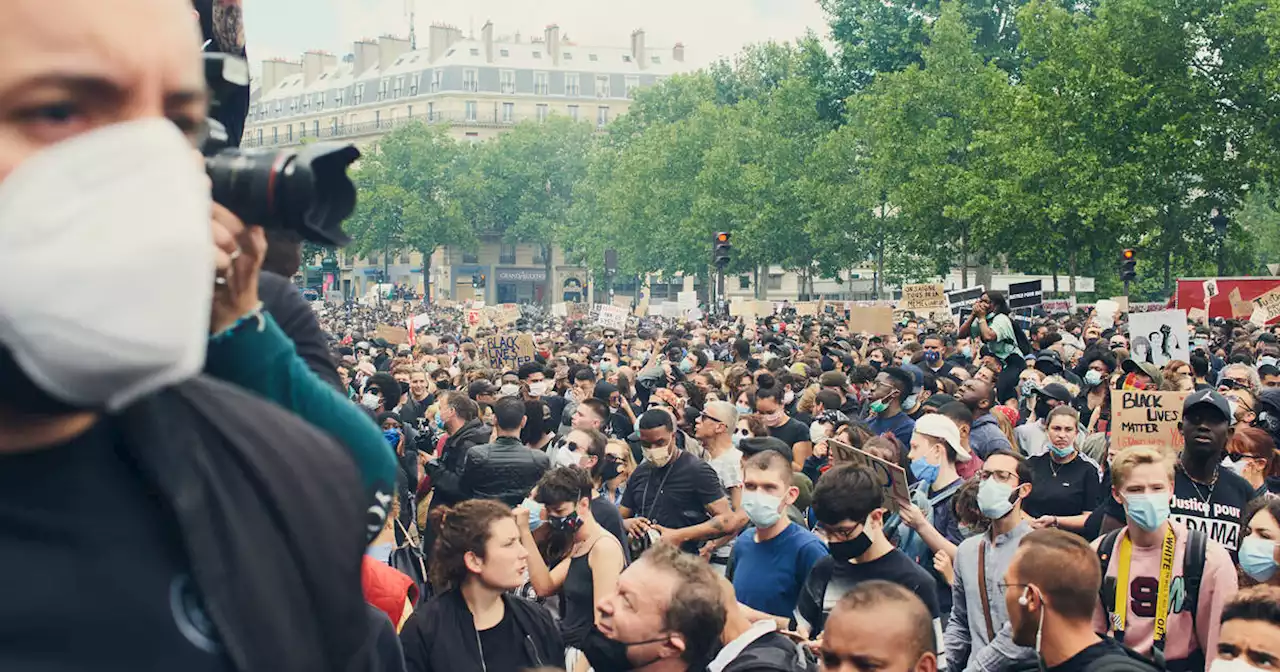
x,y
1231,384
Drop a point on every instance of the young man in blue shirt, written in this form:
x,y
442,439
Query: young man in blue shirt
x,y
771,558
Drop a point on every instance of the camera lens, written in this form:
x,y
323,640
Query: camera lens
x,y
306,191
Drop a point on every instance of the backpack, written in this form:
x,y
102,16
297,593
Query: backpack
x,y
1192,573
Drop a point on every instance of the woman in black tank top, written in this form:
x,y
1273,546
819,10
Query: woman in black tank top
x,y
594,558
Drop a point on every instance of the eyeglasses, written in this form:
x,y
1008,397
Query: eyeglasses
x,y
999,474
835,534
1004,586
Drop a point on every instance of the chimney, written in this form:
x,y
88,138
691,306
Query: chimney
x,y
486,36
314,64
637,48
366,52
440,38
677,52
390,48
552,38
274,71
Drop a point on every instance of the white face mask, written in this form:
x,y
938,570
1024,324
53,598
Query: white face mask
x,y
538,389
817,432
115,223
1236,665
371,400
509,390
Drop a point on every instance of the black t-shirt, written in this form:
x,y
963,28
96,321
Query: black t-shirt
x,y
1088,655
92,572
674,496
791,432
1217,510
607,515
1063,489
504,646
818,597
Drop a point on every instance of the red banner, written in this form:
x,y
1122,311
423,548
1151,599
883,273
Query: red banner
x,y
1234,298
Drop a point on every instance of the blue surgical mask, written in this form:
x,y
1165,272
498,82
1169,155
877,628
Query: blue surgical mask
x,y
1062,452
736,439
686,366
1092,378
744,410
1147,511
439,422
967,352
994,499
923,471
535,512
1257,557
763,510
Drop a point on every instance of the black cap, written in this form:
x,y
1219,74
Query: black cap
x,y
1210,397
479,387
758,444
1049,362
1056,391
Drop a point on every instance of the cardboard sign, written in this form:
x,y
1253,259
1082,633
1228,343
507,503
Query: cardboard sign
x,y
1199,315
508,351
577,311
1026,294
612,317
1210,289
962,300
392,335
397,307
623,302
923,297
1240,308
1159,337
1122,303
1057,306
805,308
873,320
559,310
687,301
1146,418
503,315
418,321
891,477
1269,304
474,316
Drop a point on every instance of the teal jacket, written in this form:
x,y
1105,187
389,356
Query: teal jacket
x,y
263,361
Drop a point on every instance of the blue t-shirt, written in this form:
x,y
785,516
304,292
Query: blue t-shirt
x,y
767,576
900,425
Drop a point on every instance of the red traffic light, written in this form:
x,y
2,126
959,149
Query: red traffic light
x,y
722,237
1127,254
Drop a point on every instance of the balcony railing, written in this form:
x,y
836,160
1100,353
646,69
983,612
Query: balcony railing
x,y
366,128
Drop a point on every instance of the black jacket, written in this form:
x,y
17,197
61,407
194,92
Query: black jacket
x,y
446,473
441,635
505,470
272,516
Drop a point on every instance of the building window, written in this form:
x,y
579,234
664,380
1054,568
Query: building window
x,y
397,87
337,97
744,282
568,55
359,97
382,89
302,129
508,81
507,254
334,124
435,81
319,101
293,105
602,115
537,54
633,83
504,53
431,111
377,118
404,257
542,112
540,86
539,259
572,84
508,112
470,257
655,59
470,110
279,106
775,282
259,137
306,103
315,126
573,112
413,85
470,81
290,129
626,58
373,259
602,86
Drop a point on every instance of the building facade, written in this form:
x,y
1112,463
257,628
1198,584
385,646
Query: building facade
x,y
476,87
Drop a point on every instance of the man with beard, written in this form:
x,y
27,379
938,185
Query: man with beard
x,y
1206,496
1050,590
985,436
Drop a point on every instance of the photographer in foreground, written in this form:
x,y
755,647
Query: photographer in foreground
x,y
200,495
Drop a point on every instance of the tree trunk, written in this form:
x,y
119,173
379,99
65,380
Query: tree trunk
x,y
879,279
964,259
1055,279
1071,268
546,260
426,277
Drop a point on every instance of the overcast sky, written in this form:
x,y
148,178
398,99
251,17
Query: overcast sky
x,y
708,28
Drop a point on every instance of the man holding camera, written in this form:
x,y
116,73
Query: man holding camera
x,y
149,517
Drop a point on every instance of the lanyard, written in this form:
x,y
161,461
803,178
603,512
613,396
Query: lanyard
x,y
1121,610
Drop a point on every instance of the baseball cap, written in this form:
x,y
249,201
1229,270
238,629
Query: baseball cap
x,y
1055,391
1048,362
1210,397
833,379
917,377
480,387
758,444
942,427
1146,368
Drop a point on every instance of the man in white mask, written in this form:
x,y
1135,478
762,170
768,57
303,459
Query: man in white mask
x,y
198,492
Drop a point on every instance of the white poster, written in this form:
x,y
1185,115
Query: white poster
x,y
687,301
1159,337
612,317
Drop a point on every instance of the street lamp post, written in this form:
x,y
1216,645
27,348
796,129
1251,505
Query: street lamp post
x,y
1219,223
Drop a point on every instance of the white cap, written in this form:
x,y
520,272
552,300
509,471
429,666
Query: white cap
x,y
941,427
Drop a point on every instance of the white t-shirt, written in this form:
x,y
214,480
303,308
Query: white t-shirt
x,y
728,468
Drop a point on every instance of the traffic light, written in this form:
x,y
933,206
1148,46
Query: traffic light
x,y
482,281
477,280
722,249
1128,265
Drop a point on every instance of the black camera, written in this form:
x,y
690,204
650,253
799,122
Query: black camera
x,y
305,190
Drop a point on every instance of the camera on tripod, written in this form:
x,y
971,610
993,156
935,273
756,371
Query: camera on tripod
x,y
305,190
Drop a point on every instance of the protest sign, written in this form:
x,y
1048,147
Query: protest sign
x,y
1122,303
873,320
623,302
474,316
397,307
1269,304
1146,418
687,301
559,310
333,297
611,317
418,321
1026,294
577,311
804,308
504,315
508,351
924,297
1159,337
891,477
1058,306
1240,308
961,300
1199,315
392,335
